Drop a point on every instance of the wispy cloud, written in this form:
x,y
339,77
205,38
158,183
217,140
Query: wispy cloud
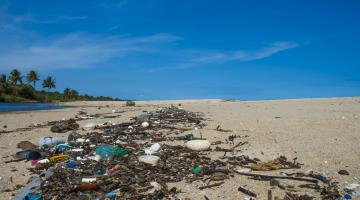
x,y
79,50
51,19
245,55
197,58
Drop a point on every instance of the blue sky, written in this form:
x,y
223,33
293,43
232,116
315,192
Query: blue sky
x,y
169,49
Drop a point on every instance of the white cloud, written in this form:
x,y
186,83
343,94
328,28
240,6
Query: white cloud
x,y
78,50
191,59
51,19
245,55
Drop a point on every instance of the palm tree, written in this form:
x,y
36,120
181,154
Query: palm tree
x,y
66,93
3,84
74,94
15,76
32,77
2,78
48,83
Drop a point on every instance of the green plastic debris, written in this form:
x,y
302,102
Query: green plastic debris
x,y
118,151
142,118
107,152
197,170
154,115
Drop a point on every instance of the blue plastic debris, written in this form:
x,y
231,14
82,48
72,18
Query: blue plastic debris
x,y
111,195
63,146
71,164
37,196
347,196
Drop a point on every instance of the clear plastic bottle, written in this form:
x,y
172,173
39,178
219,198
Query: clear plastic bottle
x,y
51,141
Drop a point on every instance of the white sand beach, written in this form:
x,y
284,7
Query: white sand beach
x,y
324,135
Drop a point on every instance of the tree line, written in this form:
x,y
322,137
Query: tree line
x,y
13,89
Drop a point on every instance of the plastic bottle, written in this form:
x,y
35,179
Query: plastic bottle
x,y
51,141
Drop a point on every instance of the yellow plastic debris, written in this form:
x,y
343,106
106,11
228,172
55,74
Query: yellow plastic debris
x,y
58,158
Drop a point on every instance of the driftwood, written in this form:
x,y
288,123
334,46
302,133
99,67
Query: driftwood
x,y
268,177
212,185
246,191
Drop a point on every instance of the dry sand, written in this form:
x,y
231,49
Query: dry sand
x,y
324,134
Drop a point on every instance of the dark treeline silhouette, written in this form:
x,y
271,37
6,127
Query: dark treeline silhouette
x,y
13,89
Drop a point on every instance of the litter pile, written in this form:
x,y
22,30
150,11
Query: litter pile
x,y
125,161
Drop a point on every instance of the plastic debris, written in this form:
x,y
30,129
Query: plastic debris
x,y
51,141
198,145
197,169
153,149
28,155
145,124
88,180
149,159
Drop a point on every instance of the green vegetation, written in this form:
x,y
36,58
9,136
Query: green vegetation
x,y
12,89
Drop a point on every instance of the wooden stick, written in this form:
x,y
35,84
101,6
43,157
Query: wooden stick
x,y
269,195
276,177
212,185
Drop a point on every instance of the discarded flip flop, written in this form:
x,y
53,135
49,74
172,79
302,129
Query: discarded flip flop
x,y
28,155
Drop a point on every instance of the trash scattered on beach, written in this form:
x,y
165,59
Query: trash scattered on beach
x,y
131,160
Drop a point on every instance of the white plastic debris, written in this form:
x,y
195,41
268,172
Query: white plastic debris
x,y
352,186
87,117
156,187
80,158
149,159
88,180
43,161
95,157
198,145
145,124
153,149
77,150
51,141
89,126
80,140
243,170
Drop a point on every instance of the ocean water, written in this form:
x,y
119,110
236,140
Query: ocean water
x,y
11,107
